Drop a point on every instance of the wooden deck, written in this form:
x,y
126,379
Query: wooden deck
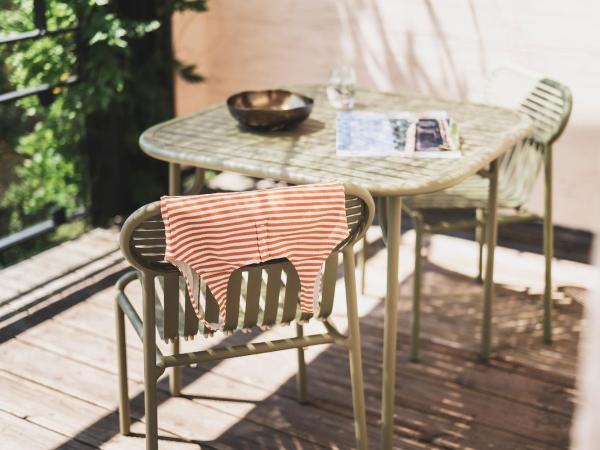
x,y
58,376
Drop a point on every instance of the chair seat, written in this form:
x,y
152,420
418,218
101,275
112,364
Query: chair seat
x,y
471,193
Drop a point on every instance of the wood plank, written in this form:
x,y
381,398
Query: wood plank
x,y
56,262
259,380
35,309
311,422
19,434
53,410
100,321
447,401
430,429
70,343
330,390
375,361
441,365
51,337
452,401
136,441
99,387
68,376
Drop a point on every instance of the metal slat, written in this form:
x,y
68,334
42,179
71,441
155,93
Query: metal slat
x,y
211,310
353,219
545,104
234,288
148,234
550,91
540,117
190,320
153,258
151,249
272,296
159,311
171,306
139,241
152,225
292,294
234,351
252,296
352,209
329,279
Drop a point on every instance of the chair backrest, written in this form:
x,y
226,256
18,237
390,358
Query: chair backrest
x,y
257,295
548,103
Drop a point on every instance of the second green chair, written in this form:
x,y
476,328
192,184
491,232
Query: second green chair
x,y
548,103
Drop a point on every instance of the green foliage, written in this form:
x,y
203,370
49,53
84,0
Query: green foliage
x,y
48,131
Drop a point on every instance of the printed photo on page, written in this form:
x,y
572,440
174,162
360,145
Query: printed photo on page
x,y
371,134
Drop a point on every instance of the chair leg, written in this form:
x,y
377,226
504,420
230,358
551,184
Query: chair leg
x,y
548,240
491,233
417,282
480,238
175,189
149,317
363,264
175,372
124,414
548,245
356,374
301,375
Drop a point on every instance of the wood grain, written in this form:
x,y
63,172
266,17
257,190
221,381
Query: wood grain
x,y
58,379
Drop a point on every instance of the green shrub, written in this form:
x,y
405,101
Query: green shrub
x,y
48,130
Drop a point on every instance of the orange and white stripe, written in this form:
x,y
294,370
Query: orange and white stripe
x,y
212,235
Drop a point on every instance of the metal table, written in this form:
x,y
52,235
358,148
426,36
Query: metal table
x,y
211,139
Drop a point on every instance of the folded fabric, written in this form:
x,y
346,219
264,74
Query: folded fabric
x,y
210,236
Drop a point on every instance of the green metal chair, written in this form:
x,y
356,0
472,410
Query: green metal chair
x,y
251,302
548,103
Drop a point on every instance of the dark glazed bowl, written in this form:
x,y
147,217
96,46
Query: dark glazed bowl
x,y
269,110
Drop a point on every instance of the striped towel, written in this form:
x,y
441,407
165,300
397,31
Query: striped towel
x,y
210,236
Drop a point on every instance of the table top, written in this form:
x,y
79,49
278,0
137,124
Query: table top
x,y
212,139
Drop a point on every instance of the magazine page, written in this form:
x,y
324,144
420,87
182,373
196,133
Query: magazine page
x,y
367,133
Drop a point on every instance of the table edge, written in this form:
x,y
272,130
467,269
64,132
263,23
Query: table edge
x,y
157,152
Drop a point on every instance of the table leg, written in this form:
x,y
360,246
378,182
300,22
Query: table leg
x,y
175,372
174,179
491,233
390,323
548,244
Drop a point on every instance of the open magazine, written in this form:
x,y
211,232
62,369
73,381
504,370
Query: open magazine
x,y
367,133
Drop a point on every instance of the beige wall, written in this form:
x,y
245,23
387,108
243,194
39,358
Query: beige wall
x,y
443,47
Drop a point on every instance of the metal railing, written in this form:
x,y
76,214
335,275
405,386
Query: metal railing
x,y
43,91
41,31
58,217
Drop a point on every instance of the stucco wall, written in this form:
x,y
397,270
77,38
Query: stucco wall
x,y
443,48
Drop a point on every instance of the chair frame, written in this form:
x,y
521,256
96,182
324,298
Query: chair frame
x,y
155,363
482,217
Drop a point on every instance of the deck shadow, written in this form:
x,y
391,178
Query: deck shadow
x,y
447,400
